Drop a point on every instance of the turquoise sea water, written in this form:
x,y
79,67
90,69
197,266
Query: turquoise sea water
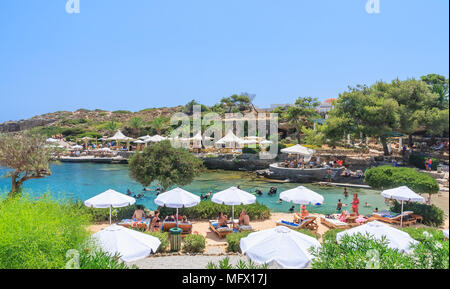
x,y
85,180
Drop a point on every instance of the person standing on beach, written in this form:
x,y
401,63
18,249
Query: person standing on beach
x,y
355,204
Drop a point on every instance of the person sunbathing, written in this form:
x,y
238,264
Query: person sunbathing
x,y
304,212
155,221
222,221
138,214
185,220
343,216
244,219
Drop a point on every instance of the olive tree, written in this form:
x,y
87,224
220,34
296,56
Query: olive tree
x,y
165,164
27,157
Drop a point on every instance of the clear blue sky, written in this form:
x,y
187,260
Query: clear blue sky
x,y
136,54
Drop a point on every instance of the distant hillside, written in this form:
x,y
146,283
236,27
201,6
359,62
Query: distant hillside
x,y
84,120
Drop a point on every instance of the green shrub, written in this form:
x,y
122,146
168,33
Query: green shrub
x,y
418,160
225,264
330,235
386,177
234,241
210,210
247,150
362,252
102,215
194,243
68,122
164,238
431,214
308,233
101,260
421,234
38,233
47,131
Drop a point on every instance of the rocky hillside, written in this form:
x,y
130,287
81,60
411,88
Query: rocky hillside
x,y
86,119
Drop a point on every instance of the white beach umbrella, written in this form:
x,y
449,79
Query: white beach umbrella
x,y
298,150
445,233
77,147
397,239
109,199
105,149
51,140
139,141
302,195
230,138
402,194
280,245
233,196
177,198
265,142
130,244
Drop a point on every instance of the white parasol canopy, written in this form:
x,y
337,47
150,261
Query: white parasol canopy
x,y
230,138
397,239
177,198
77,147
280,245
119,136
108,199
402,194
155,138
302,195
131,245
233,196
298,150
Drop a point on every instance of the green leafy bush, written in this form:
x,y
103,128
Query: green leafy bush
x,y
38,233
422,234
247,150
164,238
386,177
225,264
431,214
418,160
101,260
102,215
234,241
210,210
366,252
194,243
330,235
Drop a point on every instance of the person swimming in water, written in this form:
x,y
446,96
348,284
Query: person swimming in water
x,y
272,191
258,192
129,193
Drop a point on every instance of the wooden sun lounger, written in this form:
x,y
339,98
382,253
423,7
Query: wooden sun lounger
x,y
220,233
396,220
309,223
332,225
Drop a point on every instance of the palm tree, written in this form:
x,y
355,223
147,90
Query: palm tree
x,y
159,124
136,125
112,126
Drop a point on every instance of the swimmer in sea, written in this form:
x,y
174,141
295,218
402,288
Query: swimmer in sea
x,y
258,192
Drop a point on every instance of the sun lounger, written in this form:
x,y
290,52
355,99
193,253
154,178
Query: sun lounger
x,y
186,227
334,223
307,223
245,228
394,218
220,231
141,225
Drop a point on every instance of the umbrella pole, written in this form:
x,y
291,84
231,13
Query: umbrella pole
x,y
401,216
177,217
232,217
110,215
